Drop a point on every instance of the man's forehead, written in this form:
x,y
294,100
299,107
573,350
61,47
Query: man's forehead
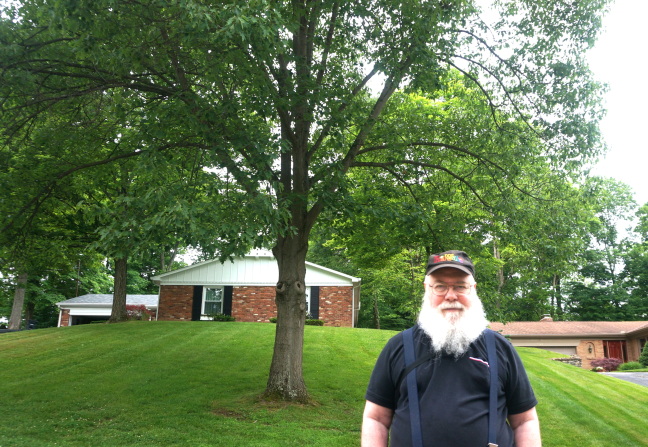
x,y
450,272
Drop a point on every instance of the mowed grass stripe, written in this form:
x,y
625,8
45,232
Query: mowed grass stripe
x,y
197,384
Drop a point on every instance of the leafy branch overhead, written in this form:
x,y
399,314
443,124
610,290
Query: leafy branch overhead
x,y
259,110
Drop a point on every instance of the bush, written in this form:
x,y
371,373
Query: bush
x,y
138,312
610,364
643,358
221,317
309,321
630,366
314,322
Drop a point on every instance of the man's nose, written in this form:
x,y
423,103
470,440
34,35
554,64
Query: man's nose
x,y
451,295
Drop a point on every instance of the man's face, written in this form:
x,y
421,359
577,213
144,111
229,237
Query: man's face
x,y
451,304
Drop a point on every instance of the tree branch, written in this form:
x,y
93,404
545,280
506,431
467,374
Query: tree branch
x,y
48,189
388,166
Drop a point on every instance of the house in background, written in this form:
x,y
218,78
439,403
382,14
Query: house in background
x,y
97,307
588,340
245,289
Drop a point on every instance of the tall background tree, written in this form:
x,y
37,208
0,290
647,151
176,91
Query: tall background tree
x,y
276,94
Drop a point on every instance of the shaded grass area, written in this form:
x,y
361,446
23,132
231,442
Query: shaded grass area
x,y
197,384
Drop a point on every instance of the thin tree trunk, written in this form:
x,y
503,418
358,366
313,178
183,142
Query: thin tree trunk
x,y
18,303
500,271
558,292
286,379
119,297
376,313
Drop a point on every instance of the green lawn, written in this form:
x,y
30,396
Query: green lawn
x,y
196,384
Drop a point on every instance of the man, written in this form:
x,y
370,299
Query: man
x,y
453,383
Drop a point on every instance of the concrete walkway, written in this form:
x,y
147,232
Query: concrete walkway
x,y
640,378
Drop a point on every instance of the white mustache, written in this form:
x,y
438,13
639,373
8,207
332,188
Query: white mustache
x,y
454,305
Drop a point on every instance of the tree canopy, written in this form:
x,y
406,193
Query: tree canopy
x,y
282,100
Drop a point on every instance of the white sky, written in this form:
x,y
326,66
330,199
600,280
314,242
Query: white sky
x,y
619,60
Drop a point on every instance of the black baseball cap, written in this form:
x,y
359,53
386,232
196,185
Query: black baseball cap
x,y
452,258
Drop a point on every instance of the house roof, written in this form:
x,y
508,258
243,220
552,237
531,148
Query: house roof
x,y
251,270
569,328
640,329
105,300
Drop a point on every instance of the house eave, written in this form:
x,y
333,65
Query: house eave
x,y
557,336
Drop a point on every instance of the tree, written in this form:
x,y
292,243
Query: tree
x,y
643,358
635,270
599,293
276,94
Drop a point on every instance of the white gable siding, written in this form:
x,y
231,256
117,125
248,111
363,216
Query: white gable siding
x,y
249,271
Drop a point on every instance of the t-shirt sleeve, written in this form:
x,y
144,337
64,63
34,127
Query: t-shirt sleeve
x,y
381,389
519,393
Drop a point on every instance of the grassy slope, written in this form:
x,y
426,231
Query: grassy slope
x,y
196,384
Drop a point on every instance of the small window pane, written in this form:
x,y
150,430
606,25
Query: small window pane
x,y
214,295
213,308
213,301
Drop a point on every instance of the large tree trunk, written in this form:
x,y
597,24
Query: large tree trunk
x,y
18,303
286,380
119,297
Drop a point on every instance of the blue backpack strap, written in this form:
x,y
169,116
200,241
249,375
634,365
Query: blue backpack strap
x,y
412,389
494,384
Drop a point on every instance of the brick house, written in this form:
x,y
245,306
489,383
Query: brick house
x,y
588,340
245,289
97,307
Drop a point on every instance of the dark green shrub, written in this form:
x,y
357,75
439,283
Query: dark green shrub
x,y
643,358
630,366
314,322
309,321
221,317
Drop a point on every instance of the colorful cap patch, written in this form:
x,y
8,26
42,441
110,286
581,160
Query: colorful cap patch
x,y
452,258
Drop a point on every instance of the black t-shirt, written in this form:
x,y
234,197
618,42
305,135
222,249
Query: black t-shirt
x,y
453,392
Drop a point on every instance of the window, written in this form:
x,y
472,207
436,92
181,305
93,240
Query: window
x,y
212,300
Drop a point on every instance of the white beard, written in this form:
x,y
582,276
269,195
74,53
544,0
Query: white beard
x,y
453,333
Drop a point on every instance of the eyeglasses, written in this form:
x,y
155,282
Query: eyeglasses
x,y
459,289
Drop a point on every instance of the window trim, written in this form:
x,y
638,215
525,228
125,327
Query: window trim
x,y
204,299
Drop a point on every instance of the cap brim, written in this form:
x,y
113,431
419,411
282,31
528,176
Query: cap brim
x,y
449,266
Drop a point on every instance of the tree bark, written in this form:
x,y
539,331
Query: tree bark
x,y
558,293
286,380
18,302
119,297
376,313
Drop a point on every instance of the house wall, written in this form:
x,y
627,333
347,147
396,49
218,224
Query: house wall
x,y
65,317
634,349
583,351
253,304
256,304
336,306
175,303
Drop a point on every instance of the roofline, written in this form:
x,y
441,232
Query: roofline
x,y
63,305
157,278
574,335
639,330
326,269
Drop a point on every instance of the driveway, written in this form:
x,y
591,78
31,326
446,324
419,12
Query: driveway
x,y
640,378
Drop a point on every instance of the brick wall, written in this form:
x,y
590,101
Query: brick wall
x,y
175,303
253,304
336,306
257,304
584,348
65,317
